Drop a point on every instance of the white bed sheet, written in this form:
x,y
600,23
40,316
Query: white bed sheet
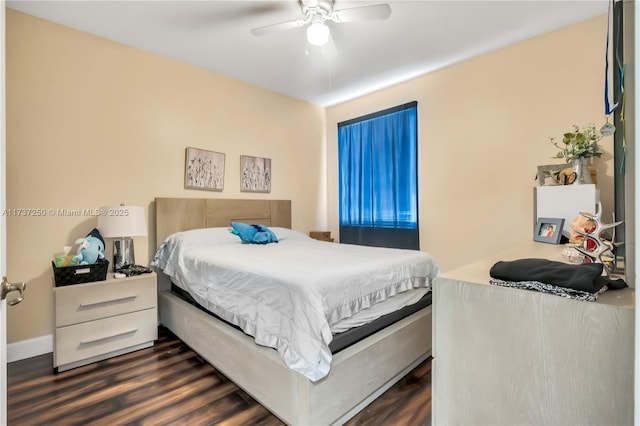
x,y
289,295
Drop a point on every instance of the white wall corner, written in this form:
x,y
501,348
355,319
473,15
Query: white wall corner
x,y
29,348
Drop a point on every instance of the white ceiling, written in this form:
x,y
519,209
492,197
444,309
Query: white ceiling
x,y
419,37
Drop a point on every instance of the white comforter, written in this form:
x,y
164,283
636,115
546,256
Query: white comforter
x,y
288,294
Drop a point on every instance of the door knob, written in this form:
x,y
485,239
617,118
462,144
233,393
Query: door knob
x,y
7,287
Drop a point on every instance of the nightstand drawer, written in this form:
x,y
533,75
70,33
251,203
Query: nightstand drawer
x,y
89,339
88,302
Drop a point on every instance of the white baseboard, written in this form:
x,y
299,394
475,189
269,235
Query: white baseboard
x,y
29,348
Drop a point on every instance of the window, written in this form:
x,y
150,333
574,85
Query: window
x,y
378,178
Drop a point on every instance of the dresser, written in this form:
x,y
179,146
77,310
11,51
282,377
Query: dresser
x,y
102,319
512,356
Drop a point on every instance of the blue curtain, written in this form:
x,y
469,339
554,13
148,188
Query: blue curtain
x,y
378,170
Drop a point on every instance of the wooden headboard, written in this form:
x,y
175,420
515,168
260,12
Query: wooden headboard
x,y
182,214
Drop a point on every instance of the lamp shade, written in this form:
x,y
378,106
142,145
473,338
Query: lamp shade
x,y
122,221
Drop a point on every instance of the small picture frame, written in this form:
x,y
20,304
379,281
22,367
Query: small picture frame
x,y
552,171
548,230
255,174
204,170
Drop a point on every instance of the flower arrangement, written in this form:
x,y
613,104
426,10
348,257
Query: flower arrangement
x,y
580,143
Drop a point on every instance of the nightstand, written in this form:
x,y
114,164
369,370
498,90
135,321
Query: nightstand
x,y
102,319
321,235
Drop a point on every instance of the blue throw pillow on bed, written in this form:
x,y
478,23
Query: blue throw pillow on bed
x,y
253,234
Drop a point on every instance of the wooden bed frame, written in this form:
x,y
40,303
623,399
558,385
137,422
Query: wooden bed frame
x,y
359,373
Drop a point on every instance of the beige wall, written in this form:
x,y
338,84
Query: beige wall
x,y
92,123
483,129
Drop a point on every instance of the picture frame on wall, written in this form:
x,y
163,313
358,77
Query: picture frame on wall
x,y
548,230
255,174
204,169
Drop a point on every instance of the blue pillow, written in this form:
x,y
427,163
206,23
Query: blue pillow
x,y
253,234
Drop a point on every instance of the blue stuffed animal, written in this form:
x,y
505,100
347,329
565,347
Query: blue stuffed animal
x,y
91,248
253,234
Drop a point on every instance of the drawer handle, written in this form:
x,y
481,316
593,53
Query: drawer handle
x,y
119,299
97,339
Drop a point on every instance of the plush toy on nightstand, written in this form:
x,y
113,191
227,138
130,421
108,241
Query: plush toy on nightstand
x,y
91,248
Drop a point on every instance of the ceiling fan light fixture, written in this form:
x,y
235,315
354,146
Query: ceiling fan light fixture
x,y
318,33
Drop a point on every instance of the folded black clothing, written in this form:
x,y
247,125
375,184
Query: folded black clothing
x,y
584,277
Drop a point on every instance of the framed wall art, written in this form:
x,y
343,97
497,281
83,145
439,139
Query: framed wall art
x,y
204,170
548,230
255,174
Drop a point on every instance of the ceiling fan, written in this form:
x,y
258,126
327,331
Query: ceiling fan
x,y
316,12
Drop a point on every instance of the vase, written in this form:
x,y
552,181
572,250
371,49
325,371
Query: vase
x,y
580,167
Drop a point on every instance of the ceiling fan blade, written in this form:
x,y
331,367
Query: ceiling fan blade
x,y
364,13
268,29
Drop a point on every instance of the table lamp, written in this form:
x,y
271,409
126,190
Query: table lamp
x,y
122,223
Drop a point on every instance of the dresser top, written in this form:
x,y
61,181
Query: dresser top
x,y
478,272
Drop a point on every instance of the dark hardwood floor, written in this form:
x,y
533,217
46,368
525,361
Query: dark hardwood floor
x,y
171,384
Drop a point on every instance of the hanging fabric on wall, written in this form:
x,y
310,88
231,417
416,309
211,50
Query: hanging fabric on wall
x,y
612,55
614,96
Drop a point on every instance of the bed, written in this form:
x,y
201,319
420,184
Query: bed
x,y
357,375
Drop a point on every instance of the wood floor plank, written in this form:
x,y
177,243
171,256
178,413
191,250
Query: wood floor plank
x,y
176,380
17,379
176,396
210,413
90,392
249,416
169,384
72,379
